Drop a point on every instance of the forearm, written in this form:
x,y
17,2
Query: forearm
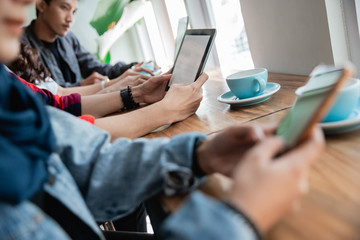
x,y
90,89
104,172
83,90
136,123
101,104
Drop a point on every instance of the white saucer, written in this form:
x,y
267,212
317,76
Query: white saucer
x,y
347,125
230,98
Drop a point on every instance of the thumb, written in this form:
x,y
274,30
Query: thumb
x,y
307,152
200,81
169,71
162,78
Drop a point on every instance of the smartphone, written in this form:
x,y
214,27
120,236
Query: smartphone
x,y
151,66
313,102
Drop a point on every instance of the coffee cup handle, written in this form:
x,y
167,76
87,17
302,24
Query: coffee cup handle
x,y
262,84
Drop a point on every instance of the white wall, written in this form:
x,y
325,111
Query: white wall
x,y
292,36
32,14
82,29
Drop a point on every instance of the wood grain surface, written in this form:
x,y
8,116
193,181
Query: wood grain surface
x,y
331,210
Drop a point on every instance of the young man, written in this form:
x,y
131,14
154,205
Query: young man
x,y
58,175
61,51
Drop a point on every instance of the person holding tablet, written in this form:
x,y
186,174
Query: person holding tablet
x,y
178,103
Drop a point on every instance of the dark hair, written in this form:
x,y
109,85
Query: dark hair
x,y
47,2
28,65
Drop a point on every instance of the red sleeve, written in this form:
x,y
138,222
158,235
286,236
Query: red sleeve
x,y
89,118
70,103
30,85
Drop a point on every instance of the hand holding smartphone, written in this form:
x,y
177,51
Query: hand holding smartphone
x,y
313,102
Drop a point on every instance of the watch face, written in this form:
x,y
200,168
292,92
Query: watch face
x,y
179,182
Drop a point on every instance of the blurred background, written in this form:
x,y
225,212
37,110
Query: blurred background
x,y
286,36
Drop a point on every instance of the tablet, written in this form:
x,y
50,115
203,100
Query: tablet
x,y
192,56
183,24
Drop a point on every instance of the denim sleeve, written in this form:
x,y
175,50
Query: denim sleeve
x,y
115,178
204,218
89,63
26,221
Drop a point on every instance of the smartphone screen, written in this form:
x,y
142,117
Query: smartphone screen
x,y
308,105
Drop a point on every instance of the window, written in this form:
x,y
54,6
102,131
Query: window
x,y
176,10
357,6
231,41
153,36
352,22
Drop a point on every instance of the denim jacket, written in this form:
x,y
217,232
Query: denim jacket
x,y
97,181
80,61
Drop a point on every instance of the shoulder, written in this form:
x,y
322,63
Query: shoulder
x,y
70,37
28,34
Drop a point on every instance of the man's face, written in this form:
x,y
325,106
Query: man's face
x,y
13,14
59,15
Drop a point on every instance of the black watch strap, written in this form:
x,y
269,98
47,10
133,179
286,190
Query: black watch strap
x,y
127,98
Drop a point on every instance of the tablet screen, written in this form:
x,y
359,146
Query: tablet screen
x,y
190,59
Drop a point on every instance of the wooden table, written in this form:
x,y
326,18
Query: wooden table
x,y
331,210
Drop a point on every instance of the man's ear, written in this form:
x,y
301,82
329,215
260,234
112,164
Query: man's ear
x,y
41,5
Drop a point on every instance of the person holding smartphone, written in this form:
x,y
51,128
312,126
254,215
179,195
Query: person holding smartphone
x,y
61,51
58,176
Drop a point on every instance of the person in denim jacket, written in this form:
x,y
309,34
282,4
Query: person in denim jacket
x,y
60,175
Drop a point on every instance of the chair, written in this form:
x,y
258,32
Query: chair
x,y
128,227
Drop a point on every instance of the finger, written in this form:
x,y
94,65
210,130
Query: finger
x,y
200,81
180,85
169,71
139,82
252,133
142,69
145,77
139,64
133,73
269,129
162,78
307,152
266,150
